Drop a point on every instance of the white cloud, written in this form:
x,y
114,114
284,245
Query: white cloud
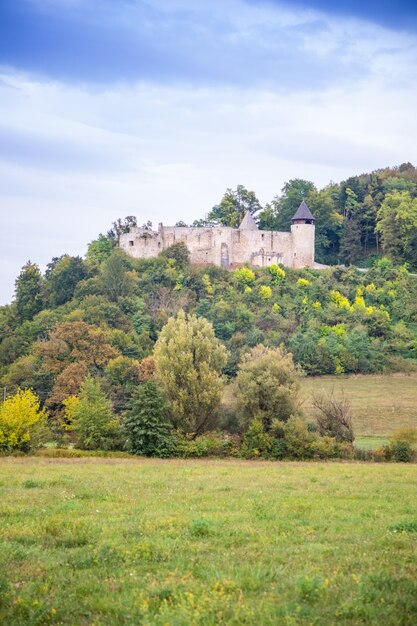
x,y
78,157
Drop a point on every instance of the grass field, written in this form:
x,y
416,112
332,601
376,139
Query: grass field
x,y
380,403
132,542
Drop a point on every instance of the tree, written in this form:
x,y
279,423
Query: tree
x,y
120,227
93,419
99,250
67,383
189,360
397,223
179,252
29,291
75,342
20,417
116,279
62,276
334,417
285,205
267,386
146,423
350,240
233,206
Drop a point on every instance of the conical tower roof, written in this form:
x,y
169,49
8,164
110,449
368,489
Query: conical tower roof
x,y
248,223
303,213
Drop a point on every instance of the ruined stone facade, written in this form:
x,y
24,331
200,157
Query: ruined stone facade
x,y
231,247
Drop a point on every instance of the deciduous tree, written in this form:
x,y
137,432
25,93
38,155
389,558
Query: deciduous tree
x,y
189,360
233,206
267,385
93,420
29,291
20,416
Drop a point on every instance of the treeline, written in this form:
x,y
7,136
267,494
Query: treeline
x,y
356,220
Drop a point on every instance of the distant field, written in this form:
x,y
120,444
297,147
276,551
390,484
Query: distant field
x,y
380,403
146,542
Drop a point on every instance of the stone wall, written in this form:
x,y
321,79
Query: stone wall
x,y
227,247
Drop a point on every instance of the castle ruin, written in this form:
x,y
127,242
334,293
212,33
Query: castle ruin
x,y
231,247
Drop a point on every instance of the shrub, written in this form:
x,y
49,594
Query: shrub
x,y
402,446
73,453
256,442
214,444
244,276
399,451
298,440
146,424
22,422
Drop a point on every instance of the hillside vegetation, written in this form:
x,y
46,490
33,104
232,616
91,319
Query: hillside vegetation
x,y
103,318
99,338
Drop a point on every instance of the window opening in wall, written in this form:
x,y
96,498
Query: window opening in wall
x,y
262,236
159,244
131,243
269,258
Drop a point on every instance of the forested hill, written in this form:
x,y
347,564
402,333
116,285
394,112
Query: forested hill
x,y
355,219
102,315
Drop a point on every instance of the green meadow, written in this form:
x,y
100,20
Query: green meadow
x,y
380,404
131,542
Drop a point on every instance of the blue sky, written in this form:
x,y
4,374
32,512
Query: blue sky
x,y
154,107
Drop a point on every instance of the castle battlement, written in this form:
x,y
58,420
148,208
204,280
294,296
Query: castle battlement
x,y
231,247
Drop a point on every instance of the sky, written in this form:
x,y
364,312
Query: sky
x,y
153,108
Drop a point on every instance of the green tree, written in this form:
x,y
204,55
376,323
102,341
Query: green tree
x,y
93,420
62,276
233,206
350,240
28,294
397,223
189,360
116,278
267,386
98,251
285,205
179,252
146,423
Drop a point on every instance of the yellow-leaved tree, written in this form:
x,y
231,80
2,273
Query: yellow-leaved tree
x,y
21,421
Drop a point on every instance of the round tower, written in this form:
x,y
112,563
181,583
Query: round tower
x,y
303,236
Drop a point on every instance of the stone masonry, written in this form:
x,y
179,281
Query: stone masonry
x,y
231,247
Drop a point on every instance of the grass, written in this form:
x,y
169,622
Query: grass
x,y
380,403
370,443
149,542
